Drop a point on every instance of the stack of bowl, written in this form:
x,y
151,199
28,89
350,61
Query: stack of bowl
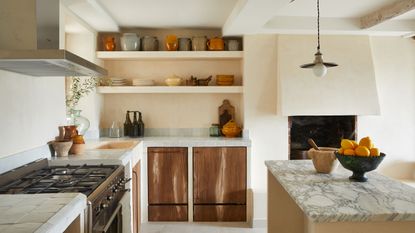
x,y
224,79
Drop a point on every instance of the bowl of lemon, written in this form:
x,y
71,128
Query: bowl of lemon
x,y
359,157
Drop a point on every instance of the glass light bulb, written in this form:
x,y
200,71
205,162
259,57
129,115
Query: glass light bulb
x,y
320,70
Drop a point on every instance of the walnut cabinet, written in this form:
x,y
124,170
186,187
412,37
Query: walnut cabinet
x,y
167,184
219,184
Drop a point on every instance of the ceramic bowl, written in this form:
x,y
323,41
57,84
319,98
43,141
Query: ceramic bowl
x,y
324,160
173,81
62,148
359,165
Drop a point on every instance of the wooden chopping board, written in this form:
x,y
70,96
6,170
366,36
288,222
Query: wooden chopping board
x,y
226,113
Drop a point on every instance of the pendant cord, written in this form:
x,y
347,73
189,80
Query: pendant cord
x,y
318,25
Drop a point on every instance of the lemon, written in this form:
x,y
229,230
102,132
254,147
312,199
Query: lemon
x,y
346,144
374,152
349,152
341,151
355,144
362,151
367,142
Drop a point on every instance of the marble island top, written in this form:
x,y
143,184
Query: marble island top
x,y
333,198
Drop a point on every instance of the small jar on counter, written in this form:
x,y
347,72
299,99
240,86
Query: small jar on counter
x,y
214,130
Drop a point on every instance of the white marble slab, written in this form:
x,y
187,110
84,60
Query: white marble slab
x,y
195,141
40,213
94,156
333,198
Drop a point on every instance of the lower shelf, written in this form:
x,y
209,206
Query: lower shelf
x,y
171,90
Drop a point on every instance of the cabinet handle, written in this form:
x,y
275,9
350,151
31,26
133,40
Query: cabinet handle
x,y
166,151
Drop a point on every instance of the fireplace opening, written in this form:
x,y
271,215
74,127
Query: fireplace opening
x,y
326,131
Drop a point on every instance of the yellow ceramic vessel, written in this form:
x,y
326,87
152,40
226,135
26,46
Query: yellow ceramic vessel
x,y
231,129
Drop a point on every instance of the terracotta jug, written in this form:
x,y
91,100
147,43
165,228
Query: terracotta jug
x,y
109,43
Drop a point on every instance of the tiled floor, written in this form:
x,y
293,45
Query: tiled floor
x,y
199,228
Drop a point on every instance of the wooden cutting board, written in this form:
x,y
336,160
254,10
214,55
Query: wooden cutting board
x,y
226,113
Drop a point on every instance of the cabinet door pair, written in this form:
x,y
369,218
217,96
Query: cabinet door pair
x,y
219,184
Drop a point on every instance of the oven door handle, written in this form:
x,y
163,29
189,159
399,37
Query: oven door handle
x,y
106,227
89,220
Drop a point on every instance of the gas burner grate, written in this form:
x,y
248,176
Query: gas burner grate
x,y
84,179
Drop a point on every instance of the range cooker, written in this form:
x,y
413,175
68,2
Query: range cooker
x,y
104,186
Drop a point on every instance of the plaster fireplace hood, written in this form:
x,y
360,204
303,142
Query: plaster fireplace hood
x,y
349,89
30,41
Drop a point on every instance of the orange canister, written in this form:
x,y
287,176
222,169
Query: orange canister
x,y
216,44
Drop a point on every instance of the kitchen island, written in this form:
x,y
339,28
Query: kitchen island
x,y
303,201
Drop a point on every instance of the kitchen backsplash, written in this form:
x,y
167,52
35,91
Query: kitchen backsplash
x,y
172,132
168,132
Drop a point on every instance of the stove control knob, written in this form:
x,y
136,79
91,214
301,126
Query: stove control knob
x,y
104,205
109,198
115,190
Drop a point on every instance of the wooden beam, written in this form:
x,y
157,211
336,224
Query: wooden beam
x,y
388,12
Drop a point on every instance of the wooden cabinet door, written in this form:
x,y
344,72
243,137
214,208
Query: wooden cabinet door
x,y
219,175
136,198
167,175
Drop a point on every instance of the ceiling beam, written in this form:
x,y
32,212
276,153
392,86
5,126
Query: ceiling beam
x,y
385,13
336,26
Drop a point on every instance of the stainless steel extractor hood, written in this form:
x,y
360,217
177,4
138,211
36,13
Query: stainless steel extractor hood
x,y
29,42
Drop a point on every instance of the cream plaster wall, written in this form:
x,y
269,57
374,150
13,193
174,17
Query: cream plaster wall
x,y
171,110
348,89
31,110
267,130
394,130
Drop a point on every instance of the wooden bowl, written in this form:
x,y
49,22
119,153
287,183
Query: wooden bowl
x,y
224,80
324,160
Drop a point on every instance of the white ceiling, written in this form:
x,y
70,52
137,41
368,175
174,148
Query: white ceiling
x,y
169,13
237,17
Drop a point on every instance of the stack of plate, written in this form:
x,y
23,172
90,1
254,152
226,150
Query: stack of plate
x,y
143,82
119,82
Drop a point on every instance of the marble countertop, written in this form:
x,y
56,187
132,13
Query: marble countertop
x,y
195,141
39,213
123,156
333,198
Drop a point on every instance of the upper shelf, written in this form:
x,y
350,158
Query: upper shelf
x,y
166,55
171,90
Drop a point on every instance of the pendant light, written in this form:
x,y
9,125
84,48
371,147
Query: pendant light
x,y
319,66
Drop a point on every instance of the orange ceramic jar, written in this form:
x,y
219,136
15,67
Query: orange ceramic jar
x,y
171,43
216,44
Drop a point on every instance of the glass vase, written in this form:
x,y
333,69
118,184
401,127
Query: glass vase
x,y
74,117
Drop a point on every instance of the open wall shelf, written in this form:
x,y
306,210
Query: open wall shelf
x,y
168,89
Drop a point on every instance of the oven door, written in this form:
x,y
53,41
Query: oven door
x,y
109,222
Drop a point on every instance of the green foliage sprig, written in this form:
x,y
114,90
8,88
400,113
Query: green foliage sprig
x,y
80,88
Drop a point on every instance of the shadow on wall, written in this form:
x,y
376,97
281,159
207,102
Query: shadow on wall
x,y
401,170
